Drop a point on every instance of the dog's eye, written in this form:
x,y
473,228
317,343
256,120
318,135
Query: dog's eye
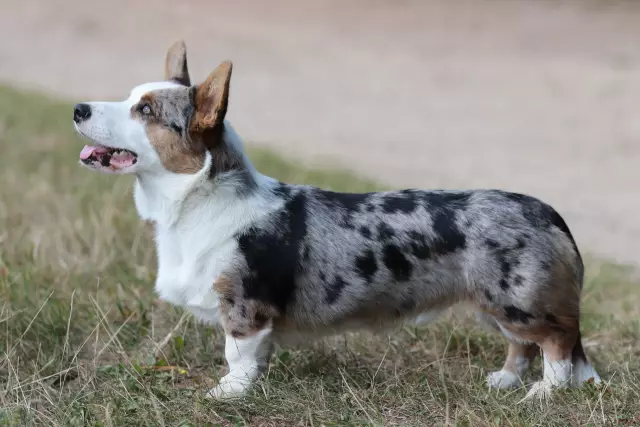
x,y
146,109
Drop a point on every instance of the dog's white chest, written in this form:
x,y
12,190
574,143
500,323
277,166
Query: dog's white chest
x,y
187,268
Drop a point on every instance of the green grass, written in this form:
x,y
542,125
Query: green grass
x,y
80,325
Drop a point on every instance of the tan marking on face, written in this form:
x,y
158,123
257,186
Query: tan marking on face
x,y
176,153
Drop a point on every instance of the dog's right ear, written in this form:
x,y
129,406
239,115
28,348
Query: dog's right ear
x,y
175,64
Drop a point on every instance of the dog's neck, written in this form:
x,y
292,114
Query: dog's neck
x,y
162,196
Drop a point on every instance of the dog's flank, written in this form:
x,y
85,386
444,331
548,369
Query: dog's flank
x,y
270,260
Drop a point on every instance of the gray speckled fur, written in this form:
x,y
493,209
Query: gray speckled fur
x,y
380,258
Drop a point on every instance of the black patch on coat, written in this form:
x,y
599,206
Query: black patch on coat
x,y
273,257
397,263
365,231
400,202
347,221
444,207
492,244
335,289
282,190
514,314
385,232
366,265
540,215
418,244
348,201
176,128
507,261
505,269
488,295
518,280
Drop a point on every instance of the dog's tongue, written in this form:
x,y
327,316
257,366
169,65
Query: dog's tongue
x,y
88,150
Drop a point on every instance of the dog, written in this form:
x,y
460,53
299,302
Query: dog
x,y
268,260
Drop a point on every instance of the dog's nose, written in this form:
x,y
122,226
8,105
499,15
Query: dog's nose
x,y
81,112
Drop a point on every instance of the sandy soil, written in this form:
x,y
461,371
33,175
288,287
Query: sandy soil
x,y
533,96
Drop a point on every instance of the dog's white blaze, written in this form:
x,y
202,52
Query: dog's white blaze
x,y
247,358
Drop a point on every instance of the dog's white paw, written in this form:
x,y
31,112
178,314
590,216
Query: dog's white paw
x,y
229,388
540,391
503,379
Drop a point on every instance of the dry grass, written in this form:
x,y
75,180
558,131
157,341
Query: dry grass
x,y
80,326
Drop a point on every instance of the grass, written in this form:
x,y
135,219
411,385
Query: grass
x,y
81,329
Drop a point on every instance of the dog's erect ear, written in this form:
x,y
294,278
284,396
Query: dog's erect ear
x,y
175,64
212,97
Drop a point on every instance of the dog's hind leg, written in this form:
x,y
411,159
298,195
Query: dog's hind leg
x,y
582,370
519,358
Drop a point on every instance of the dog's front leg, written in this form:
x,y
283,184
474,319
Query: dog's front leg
x,y
247,357
248,325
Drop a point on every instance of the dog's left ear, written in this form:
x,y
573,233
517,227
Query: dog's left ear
x,y
175,64
211,98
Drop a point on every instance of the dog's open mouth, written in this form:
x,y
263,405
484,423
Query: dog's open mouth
x,y
97,156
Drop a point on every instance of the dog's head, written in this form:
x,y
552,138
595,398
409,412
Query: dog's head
x,y
164,126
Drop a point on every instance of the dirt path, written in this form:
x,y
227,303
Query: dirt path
x,y
537,97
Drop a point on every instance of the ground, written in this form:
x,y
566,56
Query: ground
x,y
532,96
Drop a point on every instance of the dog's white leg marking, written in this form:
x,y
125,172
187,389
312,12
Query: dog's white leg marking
x,y
583,371
556,374
247,358
505,378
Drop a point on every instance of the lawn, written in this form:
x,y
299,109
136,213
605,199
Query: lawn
x,y
84,341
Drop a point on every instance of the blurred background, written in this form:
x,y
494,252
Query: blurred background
x,y
538,97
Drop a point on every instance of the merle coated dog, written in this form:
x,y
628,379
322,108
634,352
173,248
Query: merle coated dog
x,y
268,260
